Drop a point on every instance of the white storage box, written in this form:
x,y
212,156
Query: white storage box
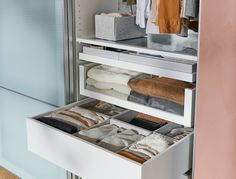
x,y
117,28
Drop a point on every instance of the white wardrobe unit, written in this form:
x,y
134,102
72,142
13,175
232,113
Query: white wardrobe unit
x,y
144,55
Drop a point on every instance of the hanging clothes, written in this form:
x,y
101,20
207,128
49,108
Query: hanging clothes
x,y
191,24
141,13
152,8
169,16
192,8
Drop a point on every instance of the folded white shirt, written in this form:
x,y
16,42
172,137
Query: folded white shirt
x,y
109,86
104,73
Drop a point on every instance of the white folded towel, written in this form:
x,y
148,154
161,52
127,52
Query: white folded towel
x,y
112,93
110,74
109,86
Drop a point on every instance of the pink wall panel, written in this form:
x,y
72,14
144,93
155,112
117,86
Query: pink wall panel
x,y
216,107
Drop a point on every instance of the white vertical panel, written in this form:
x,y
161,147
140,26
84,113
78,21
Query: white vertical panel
x,y
85,14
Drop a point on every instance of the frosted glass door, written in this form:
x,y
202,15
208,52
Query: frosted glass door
x,y
31,48
14,155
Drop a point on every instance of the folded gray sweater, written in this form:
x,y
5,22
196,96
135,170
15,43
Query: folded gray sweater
x,y
156,102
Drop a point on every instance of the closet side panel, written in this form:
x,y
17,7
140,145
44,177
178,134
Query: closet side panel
x,y
85,11
216,107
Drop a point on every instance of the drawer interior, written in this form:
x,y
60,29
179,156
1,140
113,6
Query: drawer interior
x,y
74,144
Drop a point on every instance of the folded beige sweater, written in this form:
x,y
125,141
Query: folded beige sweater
x,y
162,87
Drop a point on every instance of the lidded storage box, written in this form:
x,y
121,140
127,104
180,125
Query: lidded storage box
x,y
117,28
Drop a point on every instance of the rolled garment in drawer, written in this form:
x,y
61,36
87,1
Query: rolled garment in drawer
x,y
141,120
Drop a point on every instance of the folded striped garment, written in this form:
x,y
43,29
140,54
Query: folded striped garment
x,y
105,108
95,116
80,117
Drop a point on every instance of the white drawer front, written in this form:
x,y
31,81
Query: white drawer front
x,y
77,156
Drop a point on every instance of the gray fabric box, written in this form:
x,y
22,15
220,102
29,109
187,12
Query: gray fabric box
x,y
117,28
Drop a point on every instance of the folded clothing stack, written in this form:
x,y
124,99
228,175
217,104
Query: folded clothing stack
x,y
147,148
106,108
74,119
110,136
160,92
175,131
110,80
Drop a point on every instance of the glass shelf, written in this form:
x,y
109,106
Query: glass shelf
x,y
171,46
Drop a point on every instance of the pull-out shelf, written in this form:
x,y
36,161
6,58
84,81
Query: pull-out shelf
x,y
189,105
177,69
139,45
93,162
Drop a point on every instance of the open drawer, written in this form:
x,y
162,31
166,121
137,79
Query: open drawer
x,y
187,119
91,161
155,65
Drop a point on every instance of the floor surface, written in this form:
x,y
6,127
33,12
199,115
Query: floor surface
x,y
4,174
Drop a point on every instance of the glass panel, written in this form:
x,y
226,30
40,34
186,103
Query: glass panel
x,y
14,155
31,48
